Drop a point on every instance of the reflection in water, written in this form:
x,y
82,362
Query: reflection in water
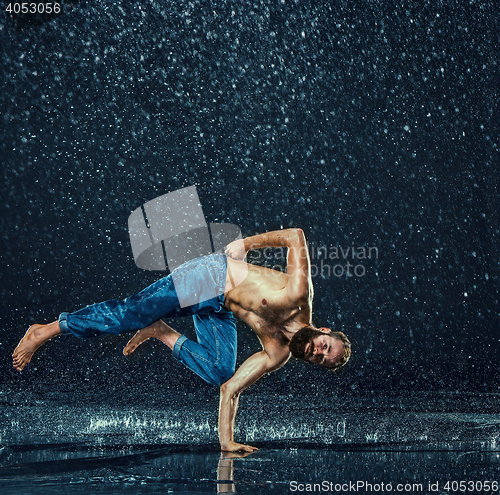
x,y
225,471
53,470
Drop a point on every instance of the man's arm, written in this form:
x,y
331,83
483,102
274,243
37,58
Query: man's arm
x,y
248,373
276,238
299,287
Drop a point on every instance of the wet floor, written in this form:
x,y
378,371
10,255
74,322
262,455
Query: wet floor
x,y
425,443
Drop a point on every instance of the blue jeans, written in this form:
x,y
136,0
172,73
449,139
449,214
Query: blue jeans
x,y
213,356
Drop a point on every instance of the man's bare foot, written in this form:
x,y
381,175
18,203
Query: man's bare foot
x,y
157,330
35,336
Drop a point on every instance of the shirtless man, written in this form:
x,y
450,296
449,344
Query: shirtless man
x,y
277,306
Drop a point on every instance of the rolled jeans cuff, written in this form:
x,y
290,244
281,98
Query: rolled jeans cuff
x,y
63,323
178,345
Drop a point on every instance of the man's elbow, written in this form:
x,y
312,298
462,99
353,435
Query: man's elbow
x,y
298,237
229,391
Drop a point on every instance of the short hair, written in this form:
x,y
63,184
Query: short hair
x,y
346,354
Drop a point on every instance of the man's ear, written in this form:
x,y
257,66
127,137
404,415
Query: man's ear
x,y
325,330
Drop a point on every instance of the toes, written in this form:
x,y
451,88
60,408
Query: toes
x,y
129,349
18,362
18,366
17,359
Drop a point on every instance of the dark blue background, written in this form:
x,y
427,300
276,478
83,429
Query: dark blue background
x,y
373,123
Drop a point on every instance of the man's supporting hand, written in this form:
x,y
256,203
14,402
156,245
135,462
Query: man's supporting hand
x,y
248,373
237,447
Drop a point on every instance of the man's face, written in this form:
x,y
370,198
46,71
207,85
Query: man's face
x,y
317,346
323,349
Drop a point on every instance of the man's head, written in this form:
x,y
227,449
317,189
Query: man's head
x,y
321,346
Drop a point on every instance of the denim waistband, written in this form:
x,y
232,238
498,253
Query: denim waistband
x,y
200,279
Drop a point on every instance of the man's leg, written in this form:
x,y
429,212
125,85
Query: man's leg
x,y
115,316
121,316
212,357
136,312
157,330
201,276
